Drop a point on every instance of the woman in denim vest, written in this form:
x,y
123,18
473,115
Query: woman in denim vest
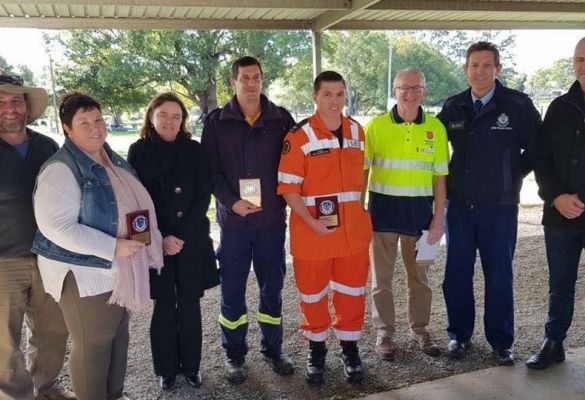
x,y
97,238
174,170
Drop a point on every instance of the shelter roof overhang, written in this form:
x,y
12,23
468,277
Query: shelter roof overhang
x,y
317,15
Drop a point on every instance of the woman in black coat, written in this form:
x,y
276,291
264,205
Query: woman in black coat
x,y
174,170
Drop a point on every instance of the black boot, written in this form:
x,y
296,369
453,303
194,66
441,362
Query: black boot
x,y
352,364
316,363
551,351
235,371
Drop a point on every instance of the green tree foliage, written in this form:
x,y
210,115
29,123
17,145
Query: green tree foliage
x,y
362,58
124,68
551,81
27,75
444,78
454,45
98,64
5,67
286,61
21,70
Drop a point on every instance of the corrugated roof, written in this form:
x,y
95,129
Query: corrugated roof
x,y
293,14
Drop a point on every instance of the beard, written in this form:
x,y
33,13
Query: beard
x,y
17,125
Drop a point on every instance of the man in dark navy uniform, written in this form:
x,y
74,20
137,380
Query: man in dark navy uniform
x,y
243,142
492,130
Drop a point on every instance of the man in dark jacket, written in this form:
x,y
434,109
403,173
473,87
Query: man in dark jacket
x,y
243,141
560,175
492,130
22,152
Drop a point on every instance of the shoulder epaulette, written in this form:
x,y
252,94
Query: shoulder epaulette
x,y
299,125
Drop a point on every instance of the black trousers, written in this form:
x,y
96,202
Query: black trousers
x,y
175,328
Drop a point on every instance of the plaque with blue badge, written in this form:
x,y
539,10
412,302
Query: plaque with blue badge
x,y
139,226
327,209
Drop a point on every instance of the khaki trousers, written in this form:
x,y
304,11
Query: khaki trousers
x,y
97,364
384,249
23,298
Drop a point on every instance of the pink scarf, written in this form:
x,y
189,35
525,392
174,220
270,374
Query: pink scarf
x,y
131,279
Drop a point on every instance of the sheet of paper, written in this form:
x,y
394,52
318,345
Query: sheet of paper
x,y
425,251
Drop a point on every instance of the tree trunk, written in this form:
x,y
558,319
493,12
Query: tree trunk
x,y
208,98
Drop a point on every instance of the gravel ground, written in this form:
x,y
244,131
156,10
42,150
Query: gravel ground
x,y
410,365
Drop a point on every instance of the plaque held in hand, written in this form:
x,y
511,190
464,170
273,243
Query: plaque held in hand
x,y
328,210
139,226
250,190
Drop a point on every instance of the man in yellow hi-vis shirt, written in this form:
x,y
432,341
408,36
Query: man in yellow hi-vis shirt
x,y
407,163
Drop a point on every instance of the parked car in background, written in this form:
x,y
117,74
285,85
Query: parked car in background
x,y
113,127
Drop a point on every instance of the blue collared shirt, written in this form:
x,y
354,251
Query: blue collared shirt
x,y
486,98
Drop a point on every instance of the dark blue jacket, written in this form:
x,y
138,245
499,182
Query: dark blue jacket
x,y
560,161
492,151
236,150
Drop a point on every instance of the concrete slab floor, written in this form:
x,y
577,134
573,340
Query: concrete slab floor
x,y
564,381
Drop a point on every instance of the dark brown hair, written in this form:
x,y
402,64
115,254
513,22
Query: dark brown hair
x,y
70,103
244,62
326,76
483,46
147,129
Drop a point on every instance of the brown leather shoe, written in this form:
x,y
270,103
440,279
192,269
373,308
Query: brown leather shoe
x,y
426,344
385,347
57,394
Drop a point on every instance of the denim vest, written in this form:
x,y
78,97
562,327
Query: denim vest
x,y
98,203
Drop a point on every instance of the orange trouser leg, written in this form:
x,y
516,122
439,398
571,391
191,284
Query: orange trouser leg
x,y
348,283
312,278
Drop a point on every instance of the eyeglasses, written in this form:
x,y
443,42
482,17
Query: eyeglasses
x,y
11,80
406,89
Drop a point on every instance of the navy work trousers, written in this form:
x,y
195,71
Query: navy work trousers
x,y
491,229
563,250
239,247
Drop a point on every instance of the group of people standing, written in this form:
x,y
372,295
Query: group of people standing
x,y
89,237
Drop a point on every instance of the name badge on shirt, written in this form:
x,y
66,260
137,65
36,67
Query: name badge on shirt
x,y
320,152
139,226
456,125
250,190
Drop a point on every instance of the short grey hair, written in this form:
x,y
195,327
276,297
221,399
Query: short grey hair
x,y
407,71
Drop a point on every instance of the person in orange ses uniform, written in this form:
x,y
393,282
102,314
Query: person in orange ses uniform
x,y
321,178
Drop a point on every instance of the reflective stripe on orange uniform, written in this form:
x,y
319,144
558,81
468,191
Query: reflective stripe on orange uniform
x,y
314,165
346,278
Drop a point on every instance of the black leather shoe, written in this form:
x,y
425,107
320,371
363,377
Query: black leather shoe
x,y
167,382
550,352
235,371
281,364
456,350
315,371
352,364
194,379
504,357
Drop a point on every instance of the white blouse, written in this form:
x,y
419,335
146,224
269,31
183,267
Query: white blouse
x,y
57,202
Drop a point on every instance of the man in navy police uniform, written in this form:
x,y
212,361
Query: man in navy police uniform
x,y
492,131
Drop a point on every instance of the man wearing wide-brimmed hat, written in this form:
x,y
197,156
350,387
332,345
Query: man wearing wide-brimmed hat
x,y
22,152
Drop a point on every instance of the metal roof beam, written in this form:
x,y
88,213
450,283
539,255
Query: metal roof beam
x,y
488,6
457,25
252,4
331,18
151,23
